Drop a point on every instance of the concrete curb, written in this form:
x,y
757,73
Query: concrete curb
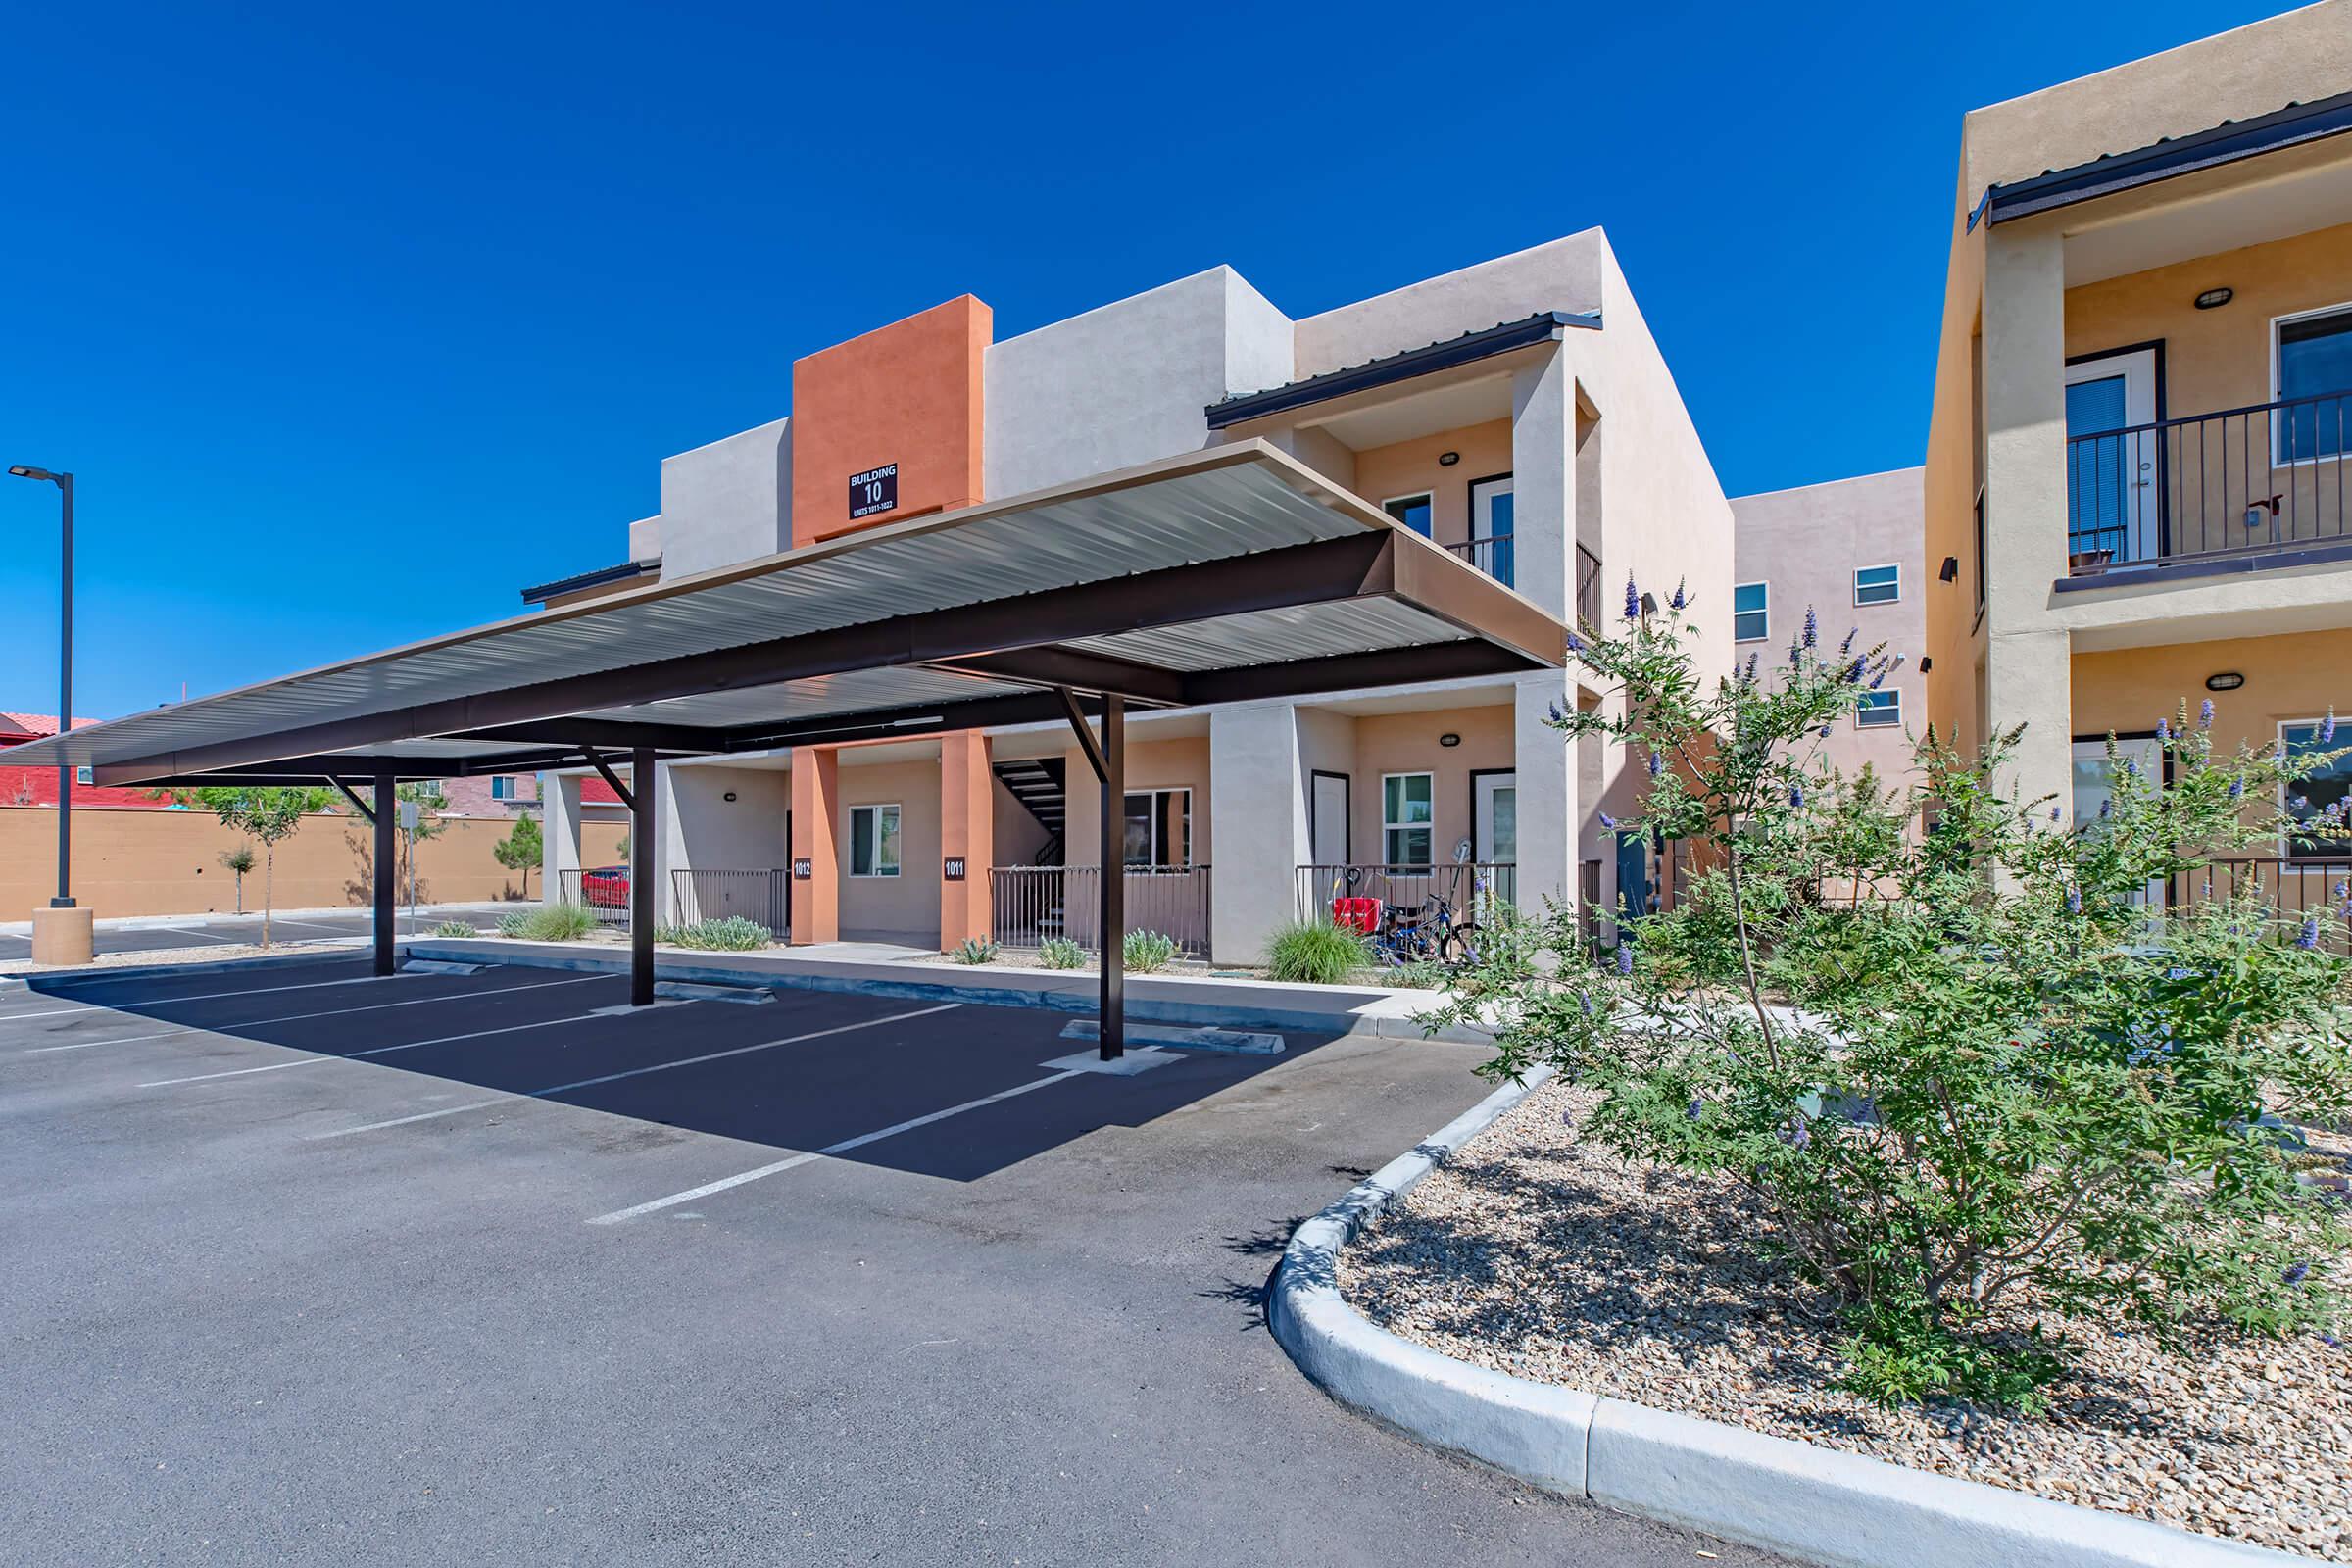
x,y
326,951
1819,1504
1184,999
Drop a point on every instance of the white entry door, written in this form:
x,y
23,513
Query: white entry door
x,y
1328,818
2111,499
1494,804
2094,786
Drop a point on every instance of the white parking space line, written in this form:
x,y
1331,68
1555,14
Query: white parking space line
x,y
191,931
212,996
299,1017
357,1056
744,1050
403,1121
842,1147
633,1072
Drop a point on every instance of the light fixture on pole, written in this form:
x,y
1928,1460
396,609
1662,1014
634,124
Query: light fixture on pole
x,y
65,677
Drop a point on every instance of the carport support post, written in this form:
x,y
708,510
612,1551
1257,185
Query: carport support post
x,y
387,821
1112,1010
642,828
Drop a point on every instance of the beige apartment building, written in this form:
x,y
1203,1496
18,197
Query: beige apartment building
x,y
1847,550
1515,411
2138,484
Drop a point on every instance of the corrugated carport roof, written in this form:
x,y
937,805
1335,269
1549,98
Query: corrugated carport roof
x,y
1221,575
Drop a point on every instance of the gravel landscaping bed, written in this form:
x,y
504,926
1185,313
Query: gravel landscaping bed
x,y
1538,1254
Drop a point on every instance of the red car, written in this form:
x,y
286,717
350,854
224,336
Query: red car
x,y
606,888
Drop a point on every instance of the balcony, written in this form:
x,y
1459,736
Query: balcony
x,y
2224,489
1491,554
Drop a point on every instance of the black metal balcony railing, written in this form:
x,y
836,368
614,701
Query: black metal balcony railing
x,y
1032,902
1496,555
1489,553
761,896
2293,887
2268,476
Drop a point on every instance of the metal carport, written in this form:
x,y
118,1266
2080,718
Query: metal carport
x,y
1224,575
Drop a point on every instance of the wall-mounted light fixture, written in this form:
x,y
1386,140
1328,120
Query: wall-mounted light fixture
x,y
1950,571
1926,664
2227,680
2213,299
730,795
1446,460
1449,738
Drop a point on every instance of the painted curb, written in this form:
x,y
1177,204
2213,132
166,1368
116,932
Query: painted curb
x,y
1362,1012
1823,1505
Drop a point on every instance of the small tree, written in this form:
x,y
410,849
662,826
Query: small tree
x,y
267,816
1945,1039
522,849
239,860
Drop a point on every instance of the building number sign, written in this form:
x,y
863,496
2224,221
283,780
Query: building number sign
x,y
952,868
874,490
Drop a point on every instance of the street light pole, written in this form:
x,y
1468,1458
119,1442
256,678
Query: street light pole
x,y
64,678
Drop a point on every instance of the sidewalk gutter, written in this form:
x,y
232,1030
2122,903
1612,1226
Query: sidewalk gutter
x,y
1198,1000
1821,1506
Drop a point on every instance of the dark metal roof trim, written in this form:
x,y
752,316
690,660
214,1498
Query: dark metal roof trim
x,y
626,571
1543,326
2224,143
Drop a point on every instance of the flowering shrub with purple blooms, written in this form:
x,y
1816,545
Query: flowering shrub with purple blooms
x,y
1981,1081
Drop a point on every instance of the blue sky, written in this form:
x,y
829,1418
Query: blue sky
x,y
353,321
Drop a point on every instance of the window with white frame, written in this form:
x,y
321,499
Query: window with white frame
x,y
1752,621
1414,511
1880,709
1877,585
873,841
429,788
2312,354
1159,830
502,787
1407,810
2310,801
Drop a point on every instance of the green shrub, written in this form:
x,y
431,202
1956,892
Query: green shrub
x,y
1315,952
976,950
551,922
1146,951
2009,1089
454,928
730,933
1060,953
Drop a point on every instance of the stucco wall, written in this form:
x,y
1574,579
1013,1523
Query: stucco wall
x,y
905,906
133,862
2217,359
1407,742
2294,57
1127,382
1561,274
909,393
726,501
2289,677
1806,543
1180,763
1408,467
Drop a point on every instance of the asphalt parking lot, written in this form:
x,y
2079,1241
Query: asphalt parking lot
x,y
306,1266
232,930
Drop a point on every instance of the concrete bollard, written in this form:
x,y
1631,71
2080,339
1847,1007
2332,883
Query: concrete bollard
x,y
62,938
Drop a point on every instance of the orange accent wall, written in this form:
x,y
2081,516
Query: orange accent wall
x,y
908,393
967,825
816,839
